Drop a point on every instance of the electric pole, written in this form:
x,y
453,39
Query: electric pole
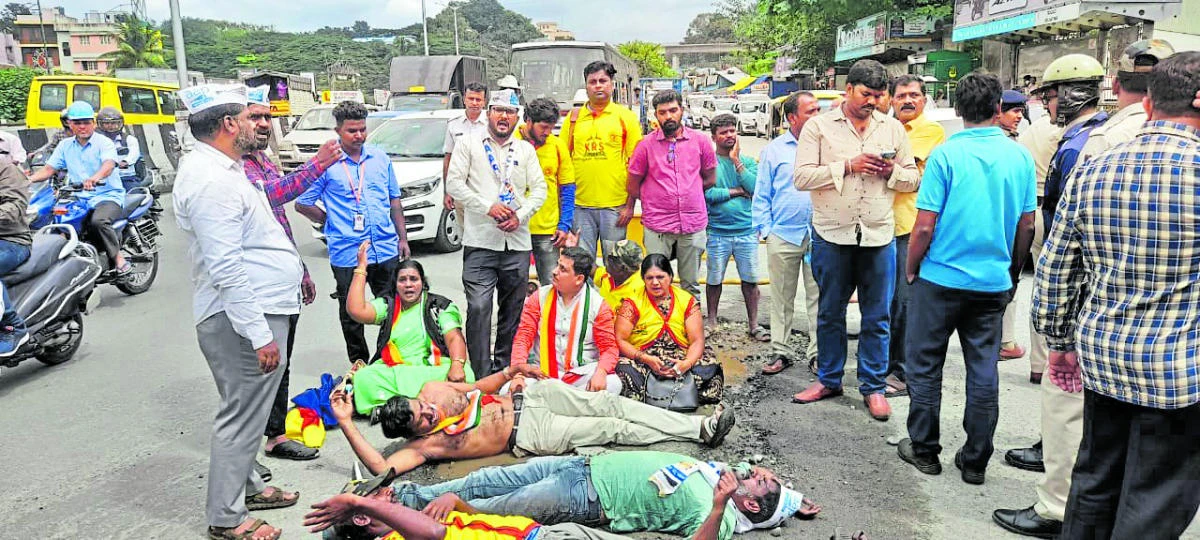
x,y
455,8
177,42
425,28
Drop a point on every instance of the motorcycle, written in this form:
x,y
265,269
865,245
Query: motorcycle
x,y
57,202
51,291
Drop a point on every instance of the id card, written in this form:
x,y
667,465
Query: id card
x,y
360,223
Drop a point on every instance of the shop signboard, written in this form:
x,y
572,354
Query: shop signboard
x,y
975,19
861,38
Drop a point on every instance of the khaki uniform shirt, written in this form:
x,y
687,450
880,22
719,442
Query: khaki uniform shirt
x,y
1041,139
853,208
1120,127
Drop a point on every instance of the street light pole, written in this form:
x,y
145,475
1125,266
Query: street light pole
x,y
425,27
455,8
42,23
177,43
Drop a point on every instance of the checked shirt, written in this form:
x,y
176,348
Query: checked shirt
x,y
280,189
1119,280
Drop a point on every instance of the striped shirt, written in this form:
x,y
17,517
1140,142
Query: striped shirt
x,y
1119,279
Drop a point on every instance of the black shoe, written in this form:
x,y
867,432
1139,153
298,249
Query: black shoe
x,y
1027,522
1028,459
925,464
969,475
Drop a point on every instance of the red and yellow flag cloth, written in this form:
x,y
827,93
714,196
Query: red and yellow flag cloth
x,y
577,333
391,353
304,426
469,419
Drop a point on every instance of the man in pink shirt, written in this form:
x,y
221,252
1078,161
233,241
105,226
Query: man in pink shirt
x,y
669,170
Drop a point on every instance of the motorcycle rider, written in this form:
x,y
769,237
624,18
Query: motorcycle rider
x,y
111,123
15,240
91,162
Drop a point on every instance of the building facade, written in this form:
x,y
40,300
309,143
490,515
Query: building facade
x,y
73,45
553,32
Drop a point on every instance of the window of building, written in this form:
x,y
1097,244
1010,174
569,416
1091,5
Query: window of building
x,y
66,48
137,100
87,92
90,65
85,40
106,40
167,101
53,97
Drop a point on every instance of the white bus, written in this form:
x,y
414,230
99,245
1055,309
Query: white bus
x,y
554,69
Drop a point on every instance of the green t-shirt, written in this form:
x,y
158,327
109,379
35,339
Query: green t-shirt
x,y
631,502
378,382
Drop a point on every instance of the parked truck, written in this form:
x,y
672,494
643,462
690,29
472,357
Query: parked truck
x,y
430,83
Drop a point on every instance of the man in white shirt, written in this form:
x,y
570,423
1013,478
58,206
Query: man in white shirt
x,y
247,283
498,181
472,121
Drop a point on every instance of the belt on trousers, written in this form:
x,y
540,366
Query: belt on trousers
x,y
518,401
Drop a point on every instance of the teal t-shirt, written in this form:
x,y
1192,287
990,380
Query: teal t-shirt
x,y
631,502
731,216
979,182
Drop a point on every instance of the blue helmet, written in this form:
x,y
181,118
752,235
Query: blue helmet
x,y
81,110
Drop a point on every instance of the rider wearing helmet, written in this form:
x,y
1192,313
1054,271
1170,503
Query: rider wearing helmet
x,y
1071,91
91,162
1133,70
111,123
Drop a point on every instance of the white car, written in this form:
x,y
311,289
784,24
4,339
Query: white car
x,y
747,113
310,132
414,142
712,108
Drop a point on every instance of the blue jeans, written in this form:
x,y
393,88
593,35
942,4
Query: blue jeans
x,y
11,256
548,490
596,226
743,249
839,270
935,312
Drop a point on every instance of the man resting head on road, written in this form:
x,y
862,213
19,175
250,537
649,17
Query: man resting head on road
x,y
461,421
624,492
367,514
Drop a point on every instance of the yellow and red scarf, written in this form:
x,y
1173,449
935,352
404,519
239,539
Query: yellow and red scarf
x,y
391,353
469,419
547,330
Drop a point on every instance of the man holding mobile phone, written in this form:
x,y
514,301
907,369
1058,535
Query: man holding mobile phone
x,y
854,228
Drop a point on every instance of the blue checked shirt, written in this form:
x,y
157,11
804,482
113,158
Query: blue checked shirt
x,y
1119,280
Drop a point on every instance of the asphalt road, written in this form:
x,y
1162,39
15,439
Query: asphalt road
x,y
114,444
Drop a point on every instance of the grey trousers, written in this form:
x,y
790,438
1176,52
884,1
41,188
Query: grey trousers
x,y
246,398
686,249
574,531
487,275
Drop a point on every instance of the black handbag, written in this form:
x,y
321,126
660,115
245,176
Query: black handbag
x,y
678,394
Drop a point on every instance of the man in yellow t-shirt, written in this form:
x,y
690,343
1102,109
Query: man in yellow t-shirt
x,y
601,137
548,228
908,102
620,277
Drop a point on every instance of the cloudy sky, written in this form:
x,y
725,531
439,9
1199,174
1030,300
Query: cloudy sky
x,y
665,22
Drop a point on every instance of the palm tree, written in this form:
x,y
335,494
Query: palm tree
x,y
138,45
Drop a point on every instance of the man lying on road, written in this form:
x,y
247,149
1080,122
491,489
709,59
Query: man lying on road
x,y
462,421
366,512
625,492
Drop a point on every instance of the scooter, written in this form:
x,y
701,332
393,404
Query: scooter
x,y
51,292
56,202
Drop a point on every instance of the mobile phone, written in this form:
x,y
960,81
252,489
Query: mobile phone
x,y
888,155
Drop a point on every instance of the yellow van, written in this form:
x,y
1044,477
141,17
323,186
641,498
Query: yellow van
x,y
141,102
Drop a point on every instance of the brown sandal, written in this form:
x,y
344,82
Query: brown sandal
x,y
226,533
276,499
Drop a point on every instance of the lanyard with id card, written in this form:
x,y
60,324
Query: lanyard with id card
x,y
360,221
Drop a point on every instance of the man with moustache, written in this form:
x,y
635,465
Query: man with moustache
x,y
601,137
280,190
246,276
854,160
909,99
361,203
669,171
498,180
472,121
550,225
